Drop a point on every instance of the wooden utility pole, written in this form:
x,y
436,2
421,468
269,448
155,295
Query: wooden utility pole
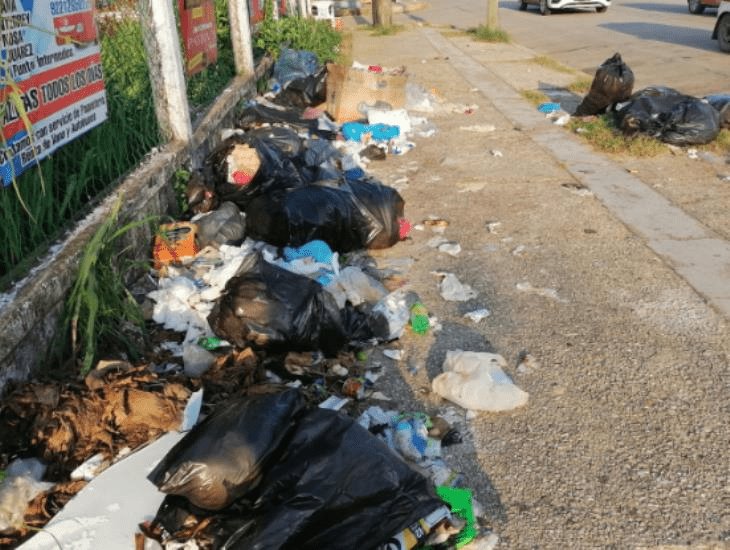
x,y
493,14
383,13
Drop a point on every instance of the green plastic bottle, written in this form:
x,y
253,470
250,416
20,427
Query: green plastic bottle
x,y
419,318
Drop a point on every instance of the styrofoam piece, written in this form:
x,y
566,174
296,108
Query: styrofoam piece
x,y
106,513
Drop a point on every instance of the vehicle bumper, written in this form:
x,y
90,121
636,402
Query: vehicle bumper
x,y
567,4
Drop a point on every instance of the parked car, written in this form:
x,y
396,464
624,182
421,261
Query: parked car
x,y
698,6
548,6
722,27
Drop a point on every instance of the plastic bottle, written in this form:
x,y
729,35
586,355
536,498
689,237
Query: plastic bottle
x,y
419,318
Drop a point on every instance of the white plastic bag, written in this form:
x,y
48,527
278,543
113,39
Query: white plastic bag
x,y
476,381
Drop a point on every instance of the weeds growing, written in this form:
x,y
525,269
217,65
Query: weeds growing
x,y
604,136
485,34
550,63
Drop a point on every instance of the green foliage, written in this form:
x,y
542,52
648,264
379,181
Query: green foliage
x,y
89,165
299,34
485,34
100,312
180,185
603,135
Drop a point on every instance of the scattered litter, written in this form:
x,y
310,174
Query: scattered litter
x,y
577,189
518,250
496,153
492,226
693,154
89,469
437,241
477,315
21,484
339,370
479,128
334,403
437,225
380,396
394,354
453,290
450,248
527,363
476,381
546,292
548,107
724,177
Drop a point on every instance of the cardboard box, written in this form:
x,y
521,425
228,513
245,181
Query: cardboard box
x,y
348,88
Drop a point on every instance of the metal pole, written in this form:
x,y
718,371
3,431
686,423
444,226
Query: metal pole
x,y
159,32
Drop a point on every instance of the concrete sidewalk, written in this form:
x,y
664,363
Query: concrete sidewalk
x,y
586,268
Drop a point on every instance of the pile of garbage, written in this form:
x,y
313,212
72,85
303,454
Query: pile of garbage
x,y
656,111
267,300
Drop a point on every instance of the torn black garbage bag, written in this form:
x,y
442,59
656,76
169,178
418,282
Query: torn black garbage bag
x,y
668,115
304,92
612,83
346,215
268,307
257,114
244,167
336,487
225,456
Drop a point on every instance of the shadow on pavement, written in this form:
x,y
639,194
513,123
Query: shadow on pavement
x,y
654,6
671,34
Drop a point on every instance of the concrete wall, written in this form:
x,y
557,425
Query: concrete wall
x,y
30,320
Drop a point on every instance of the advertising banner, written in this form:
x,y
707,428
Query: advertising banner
x,y
50,76
197,19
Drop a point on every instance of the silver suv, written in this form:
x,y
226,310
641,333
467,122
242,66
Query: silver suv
x,y
722,27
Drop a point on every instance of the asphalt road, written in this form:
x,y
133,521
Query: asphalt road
x,y
660,40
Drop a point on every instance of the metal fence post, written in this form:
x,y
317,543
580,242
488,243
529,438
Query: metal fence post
x,y
241,36
159,31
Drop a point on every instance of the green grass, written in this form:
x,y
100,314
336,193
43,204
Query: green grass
x,y
101,316
386,30
534,96
550,63
84,169
485,34
580,85
721,144
601,133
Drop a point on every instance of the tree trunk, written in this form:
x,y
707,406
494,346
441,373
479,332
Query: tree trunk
x,y
382,13
493,14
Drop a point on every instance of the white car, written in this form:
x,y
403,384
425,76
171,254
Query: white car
x,y
722,27
548,6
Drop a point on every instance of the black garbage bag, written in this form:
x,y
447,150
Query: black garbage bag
x,y
304,92
319,160
721,102
225,456
668,115
346,215
274,170
336,487
269,307
612,83
286,139
258,114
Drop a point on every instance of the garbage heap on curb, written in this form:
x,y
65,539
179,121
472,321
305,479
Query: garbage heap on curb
x,y
267,298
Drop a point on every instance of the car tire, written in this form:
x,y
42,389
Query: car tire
x,y
601,9
723,34
523,6
695,7
544,10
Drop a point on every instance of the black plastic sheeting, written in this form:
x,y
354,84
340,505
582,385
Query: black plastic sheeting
x,y
721,102
257,114
334,487
670,116
612,83
346,215
224,457
277,171
271,308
